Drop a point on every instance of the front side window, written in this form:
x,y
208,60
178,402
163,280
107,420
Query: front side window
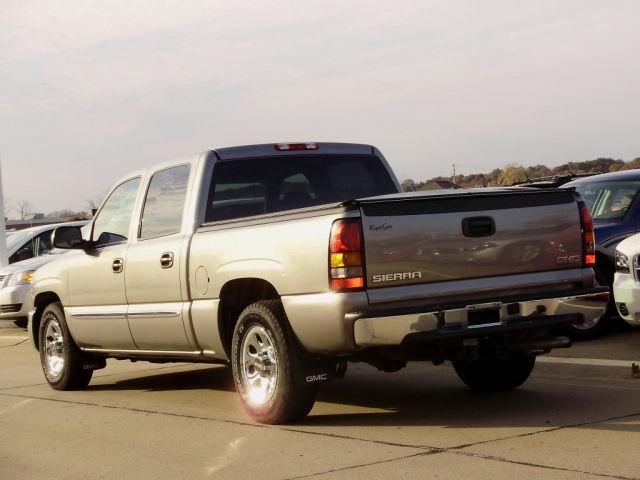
x,y
113,221
609,200
164,204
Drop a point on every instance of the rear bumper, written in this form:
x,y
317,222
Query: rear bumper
x,y
477,320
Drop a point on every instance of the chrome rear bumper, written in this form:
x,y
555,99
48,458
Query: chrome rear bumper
x,y
477,320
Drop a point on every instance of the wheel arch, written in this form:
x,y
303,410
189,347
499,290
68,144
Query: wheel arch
x,y
40,302
235,296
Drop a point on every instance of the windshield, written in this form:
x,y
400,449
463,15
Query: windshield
x,y
17,239
609,200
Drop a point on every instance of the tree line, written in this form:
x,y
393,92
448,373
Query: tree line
x,y
513,173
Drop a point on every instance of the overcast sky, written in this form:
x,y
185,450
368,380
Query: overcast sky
x,y
92,90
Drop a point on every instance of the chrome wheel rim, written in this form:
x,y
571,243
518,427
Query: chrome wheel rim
x,y
54,348
259,369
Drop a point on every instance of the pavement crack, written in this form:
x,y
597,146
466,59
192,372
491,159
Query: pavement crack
x,y
547,430
15,344
361,465
539,465
213,419
348,437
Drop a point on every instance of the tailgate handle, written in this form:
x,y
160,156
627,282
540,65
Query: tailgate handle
x,y
478,227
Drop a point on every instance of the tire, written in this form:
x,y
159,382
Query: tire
x,y
63,364
22,323
489,373
263,360
582,331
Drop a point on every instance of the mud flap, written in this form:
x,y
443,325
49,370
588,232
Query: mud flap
x,y
95,364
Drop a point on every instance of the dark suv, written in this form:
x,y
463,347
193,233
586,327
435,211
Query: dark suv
x,y
614,203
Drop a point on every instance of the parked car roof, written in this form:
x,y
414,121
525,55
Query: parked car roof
x,y
612,176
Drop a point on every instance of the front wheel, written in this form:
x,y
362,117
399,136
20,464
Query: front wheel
x,y
263,361
488,373
63,364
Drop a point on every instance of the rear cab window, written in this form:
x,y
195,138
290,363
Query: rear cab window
x,y
255,186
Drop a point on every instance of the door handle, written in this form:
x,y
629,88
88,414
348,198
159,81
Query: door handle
x,y
166,260
118,265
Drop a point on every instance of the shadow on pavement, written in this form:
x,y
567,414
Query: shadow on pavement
x,y
215,378
425,396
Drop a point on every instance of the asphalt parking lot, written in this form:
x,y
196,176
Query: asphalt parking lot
x,y
578,417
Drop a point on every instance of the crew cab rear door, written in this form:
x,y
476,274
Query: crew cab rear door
x,y
156,261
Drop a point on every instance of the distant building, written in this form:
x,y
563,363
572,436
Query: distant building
x,y
439,185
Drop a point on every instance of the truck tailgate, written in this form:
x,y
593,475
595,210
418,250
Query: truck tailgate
x,y
461,235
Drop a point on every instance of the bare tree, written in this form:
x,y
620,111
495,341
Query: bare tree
x,y
94,202
8,207
25,209
408,185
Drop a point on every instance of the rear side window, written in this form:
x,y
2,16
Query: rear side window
x,y
248,187
164,204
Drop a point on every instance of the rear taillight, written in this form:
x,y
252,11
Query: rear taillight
x,y
588,236
285,147
346,266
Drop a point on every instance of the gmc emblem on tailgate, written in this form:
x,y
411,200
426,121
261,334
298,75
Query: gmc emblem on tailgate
x,y
568,259
394,277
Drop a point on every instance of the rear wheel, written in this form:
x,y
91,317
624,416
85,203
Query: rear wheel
x,y
64,365
488,373
263,361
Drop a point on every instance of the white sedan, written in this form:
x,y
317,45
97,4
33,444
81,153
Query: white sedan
x,y
626,283
15,287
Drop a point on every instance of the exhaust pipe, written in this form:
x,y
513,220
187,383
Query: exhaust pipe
x,y
540,346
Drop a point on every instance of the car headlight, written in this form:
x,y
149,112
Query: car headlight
x,y
622,262
21,278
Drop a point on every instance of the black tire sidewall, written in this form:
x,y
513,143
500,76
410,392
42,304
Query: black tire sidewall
x,y
489,373
289,399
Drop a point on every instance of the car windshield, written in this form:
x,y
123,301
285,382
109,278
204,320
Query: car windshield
x,y
17,239
609,200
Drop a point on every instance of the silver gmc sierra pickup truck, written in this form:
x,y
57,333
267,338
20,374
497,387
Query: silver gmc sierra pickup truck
x,y
287,261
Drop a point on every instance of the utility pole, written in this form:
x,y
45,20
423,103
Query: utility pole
x,y
453,177
4,261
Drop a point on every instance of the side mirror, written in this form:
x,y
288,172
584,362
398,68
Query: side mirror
x,y
69,237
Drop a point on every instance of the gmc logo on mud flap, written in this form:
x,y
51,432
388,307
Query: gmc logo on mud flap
x,y
569,259
394,277
317,378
